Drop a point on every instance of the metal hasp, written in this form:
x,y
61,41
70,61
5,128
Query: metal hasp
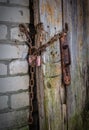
x,y
65,59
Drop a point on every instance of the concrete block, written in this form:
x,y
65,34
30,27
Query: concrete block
x,y
20,2
9,84
3,69
13,119
3,102
16,67
3,32
20,100
16,35
13,51
14,14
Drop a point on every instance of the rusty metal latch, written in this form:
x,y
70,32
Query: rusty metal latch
x,y
65,59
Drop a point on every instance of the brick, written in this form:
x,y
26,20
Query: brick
x,y
16,35
20,2
14,14
3,69
3,102
16,67
12,51
13,119
9,84
3,32
20,100
3,1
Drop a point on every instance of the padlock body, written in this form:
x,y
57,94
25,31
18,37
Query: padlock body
x,y
38,61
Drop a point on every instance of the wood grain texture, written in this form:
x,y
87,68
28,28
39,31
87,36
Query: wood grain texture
x,y
49,74
50,16
51,93
77,16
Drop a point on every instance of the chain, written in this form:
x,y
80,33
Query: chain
x,y
23,29
31,95
34,52
43,47
31,86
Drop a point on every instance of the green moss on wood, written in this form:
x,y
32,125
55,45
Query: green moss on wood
x,y
52,104
85,116
75,123
79,121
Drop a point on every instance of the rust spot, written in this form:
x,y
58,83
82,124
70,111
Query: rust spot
x,y
50,12
48,8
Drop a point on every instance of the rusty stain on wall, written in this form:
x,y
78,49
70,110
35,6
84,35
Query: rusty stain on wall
x,y
51,12
47,7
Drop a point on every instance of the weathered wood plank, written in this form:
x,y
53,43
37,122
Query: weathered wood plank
x,y
75,17
52,70
52,105
39,74
49,82
51,99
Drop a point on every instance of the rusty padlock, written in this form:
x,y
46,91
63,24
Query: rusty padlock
x,y
34,60
32,57
38,61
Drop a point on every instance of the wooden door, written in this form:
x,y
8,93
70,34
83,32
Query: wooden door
x,y
76,14
54,112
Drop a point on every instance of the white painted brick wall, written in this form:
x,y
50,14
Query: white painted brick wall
x,y
3,32
20,100
14,14
13,119
16,35
9,84
3,102
17,66
20,2
13,51
3,69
